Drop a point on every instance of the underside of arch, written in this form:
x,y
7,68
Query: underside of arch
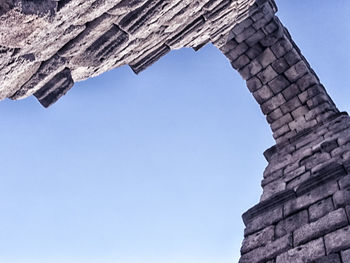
x,y
304,211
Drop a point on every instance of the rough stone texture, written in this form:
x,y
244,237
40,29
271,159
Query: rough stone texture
x,y
304,211
40,39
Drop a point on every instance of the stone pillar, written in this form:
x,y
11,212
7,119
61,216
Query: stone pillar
x,y
304,212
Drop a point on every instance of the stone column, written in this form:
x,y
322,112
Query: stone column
x,y
304,212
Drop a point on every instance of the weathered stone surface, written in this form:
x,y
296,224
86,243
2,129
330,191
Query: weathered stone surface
x,y
338,240
304,253
326,224
270,251
93,36
258,239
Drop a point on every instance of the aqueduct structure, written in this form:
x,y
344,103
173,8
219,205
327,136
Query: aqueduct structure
x,y
304,211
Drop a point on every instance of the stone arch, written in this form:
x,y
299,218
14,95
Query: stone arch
x,y
304,212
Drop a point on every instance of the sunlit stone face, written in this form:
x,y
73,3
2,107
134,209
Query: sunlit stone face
x,y
48,42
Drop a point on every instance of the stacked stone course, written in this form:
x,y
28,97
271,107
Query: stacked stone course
x,y
304,212
303,215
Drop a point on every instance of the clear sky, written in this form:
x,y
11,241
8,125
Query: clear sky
x,y
154,168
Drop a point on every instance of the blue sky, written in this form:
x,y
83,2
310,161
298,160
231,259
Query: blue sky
x,y
153,168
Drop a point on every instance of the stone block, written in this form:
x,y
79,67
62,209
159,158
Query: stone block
x,y
290,175
280,65
296,72
149,58
291,223
254,51
281,47
307,81
264,220
266,58
301,111
345,255
54,89
274,115
281,131
315,195
240,62
304,253
272,38
332,258
251,69
272,26
344,182
278,84
296,182
93,31
238,29
258,239
291,92
247,32
236,52
262,94
47,70
267,75
254,84
320,209
268,252
272,189
285,119
292,57
330,222
272,104
338,240
342,198
103,48
291,105
255,38
317,100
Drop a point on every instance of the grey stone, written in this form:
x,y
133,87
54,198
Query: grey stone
x,y
304,253
274,115
291,223
338,240
292,57
345,255
320,209
266,57
291,105
280,65
297,71
264,220
251,69
310,198
285,119
240,62
54,89
272,104
281,47
291,92
278,84
255,38
344,182
330,222
342,198
267,75
258,239
254,84
332,258
270,251
254,51
262,94
307,81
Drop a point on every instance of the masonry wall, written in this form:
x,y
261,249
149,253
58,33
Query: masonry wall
x,y
304,212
